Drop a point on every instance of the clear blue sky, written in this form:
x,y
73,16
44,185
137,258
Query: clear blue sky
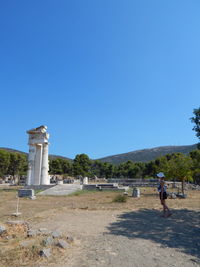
x,y
105,76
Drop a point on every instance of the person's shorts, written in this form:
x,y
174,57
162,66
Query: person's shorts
x,y
164,195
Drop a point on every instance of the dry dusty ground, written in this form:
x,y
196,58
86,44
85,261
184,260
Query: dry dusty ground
x,y
112,234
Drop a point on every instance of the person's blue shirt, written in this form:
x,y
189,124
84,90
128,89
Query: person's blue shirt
x,y
160,188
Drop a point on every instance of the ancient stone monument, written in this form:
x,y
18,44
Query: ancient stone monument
x,y
38,164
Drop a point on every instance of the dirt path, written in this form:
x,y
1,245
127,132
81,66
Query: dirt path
x,y
130,239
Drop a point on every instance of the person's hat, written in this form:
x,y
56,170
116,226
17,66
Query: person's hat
x,y
160,175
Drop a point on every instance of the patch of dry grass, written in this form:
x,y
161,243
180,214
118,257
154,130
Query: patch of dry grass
x,y
12,254
34,209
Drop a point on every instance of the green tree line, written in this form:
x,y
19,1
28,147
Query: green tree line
x,y
176,166
12,163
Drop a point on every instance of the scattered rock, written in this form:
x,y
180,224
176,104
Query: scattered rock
x,y
27,243
48,241
56,234
46,252
44,231
2,229
32,232
173,196
8,237
70,238
62,244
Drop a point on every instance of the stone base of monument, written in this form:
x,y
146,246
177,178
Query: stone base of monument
x,y
61,190
39,187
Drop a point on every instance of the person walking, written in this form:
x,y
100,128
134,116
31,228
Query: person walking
x,y
162,189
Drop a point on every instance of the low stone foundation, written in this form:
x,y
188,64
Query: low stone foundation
x,y
39,187
105,187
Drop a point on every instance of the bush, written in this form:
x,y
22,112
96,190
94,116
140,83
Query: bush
x,y
120,198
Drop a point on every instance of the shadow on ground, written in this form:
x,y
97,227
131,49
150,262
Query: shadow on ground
x,y
180,231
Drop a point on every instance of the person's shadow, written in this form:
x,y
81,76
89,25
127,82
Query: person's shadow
x,y
181,230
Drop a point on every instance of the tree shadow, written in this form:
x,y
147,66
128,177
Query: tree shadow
x,y
181,230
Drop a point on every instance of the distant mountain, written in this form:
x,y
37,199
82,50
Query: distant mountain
x,y
12,150
51,156
145,155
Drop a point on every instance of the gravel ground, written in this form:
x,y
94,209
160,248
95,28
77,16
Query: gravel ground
x,y
137,238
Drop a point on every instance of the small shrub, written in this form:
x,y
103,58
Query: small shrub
x,y
120,198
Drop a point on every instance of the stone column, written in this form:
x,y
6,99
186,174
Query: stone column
x,y
38,163
45,180
31,165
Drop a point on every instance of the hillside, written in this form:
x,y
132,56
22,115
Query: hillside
x,y
145,155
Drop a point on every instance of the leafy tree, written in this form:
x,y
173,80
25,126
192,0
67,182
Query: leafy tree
x,y
66,166
4,162
162,164
55,166
60,166
195,156
106,170
196,121
133,171
141,168
81,165
18,164
129,169
150,169
180,168
119,171
96,167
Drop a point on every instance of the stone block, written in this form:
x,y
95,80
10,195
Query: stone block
x,y
44,231
46,252
27,243
63,244
2,229
30,193
32,232
70,239
56,234
173,196
48,241
136,192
